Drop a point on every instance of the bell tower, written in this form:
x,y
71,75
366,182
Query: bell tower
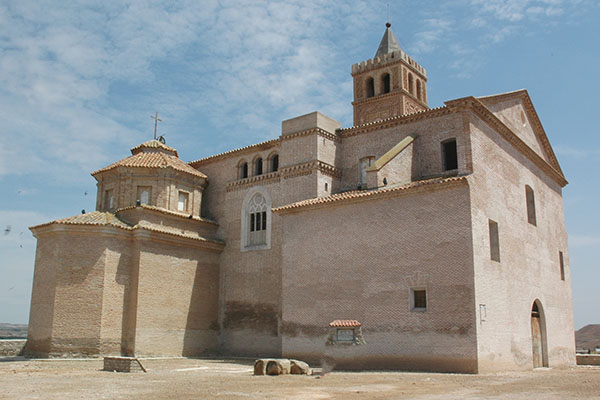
x,y
389,85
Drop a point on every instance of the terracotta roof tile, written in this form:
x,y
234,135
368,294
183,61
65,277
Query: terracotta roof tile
x,y
153,160
345,323
357,194
92,218
153,144
168,212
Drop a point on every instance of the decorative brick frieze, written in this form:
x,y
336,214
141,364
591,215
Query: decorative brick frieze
x,y
264,179
318,131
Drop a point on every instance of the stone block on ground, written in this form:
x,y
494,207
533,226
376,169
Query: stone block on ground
x,y
123,364
299,368
280,366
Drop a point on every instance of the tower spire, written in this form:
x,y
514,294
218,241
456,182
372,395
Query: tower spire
x,y
389,43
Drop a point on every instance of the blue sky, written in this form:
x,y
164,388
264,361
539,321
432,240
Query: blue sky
x,y
78,83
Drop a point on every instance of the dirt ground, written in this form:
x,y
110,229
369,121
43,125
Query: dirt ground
x,y
232,379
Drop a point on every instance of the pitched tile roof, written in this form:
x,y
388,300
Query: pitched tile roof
x,y
167,212
153,144
344,323
104,218
365,194
92,218
153,154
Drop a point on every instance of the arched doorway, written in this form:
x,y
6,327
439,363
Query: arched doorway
x,y
538,336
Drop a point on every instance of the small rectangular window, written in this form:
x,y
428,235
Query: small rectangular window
x,y
345,335
252,225
144,194
494,241
419,299
449,155
264,220
562,265
182,203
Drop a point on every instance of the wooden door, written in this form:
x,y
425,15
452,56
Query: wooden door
x,y
536,340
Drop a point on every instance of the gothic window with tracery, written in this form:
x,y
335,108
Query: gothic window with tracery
x,y
257,223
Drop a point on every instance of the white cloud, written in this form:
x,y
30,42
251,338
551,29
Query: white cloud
x,y
76,79
576,152
435,30
584,241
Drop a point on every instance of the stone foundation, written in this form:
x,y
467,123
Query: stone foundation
x,y
588,359
11,347
123,364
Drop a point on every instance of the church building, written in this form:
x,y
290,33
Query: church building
x,y
418,239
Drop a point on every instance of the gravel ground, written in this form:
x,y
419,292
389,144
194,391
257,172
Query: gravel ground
x,y
182,378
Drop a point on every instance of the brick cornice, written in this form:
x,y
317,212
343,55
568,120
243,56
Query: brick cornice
x,y
292,171
538,128
474,104
267,178
318,131
394,121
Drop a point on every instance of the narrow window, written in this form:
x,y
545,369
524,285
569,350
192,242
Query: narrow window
x,y
109,200
385,83
274,163
182,203
370,87
449,156
326,187
418,299
561,259
258,166
244,170
143,194
494,241
419,90
529,195
252,222
411,84
364,164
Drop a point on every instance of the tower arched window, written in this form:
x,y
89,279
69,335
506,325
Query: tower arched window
x,y
273,163
411,84
243,170
419,94
370,87
256,220
258,166
385,83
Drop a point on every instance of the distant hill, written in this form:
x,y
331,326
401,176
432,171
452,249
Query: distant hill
x,y
588,337
13,331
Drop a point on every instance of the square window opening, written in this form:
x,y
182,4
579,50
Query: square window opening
x,y
418,299
449,155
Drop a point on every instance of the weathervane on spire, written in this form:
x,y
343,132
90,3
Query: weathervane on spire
x,y
156,121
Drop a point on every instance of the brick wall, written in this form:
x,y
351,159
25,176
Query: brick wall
x,y
359,261
529,256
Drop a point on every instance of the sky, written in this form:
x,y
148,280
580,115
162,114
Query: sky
x,y
79,81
